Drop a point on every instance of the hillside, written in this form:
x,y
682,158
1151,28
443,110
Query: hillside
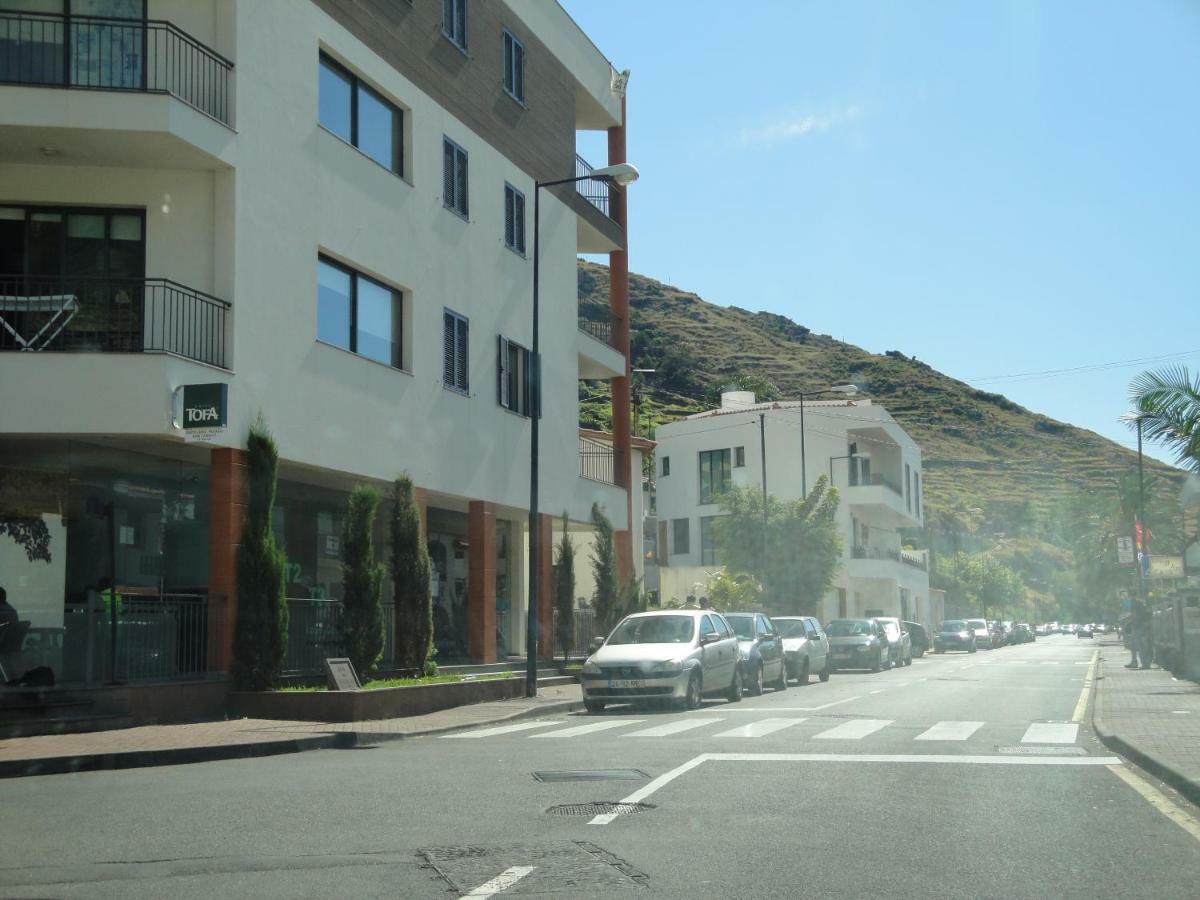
x,y
980,449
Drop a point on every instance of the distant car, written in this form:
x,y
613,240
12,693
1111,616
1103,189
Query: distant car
x,y
805,647
920,639
677,655
899,640
1006,630
1084,631
1023,633
983,634
762,651
1040,630
954,634
996,635
858,644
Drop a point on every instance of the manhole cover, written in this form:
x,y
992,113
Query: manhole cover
x,y
555,869
593,775
598,808
1033,750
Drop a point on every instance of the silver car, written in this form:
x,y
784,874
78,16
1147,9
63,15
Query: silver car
x,y
676,656
805,647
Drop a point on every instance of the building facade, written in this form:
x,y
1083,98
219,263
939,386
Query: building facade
x,y
320,212
854,443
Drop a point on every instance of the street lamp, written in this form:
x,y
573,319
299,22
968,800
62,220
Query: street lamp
x,y
1140,523
620,174
848,390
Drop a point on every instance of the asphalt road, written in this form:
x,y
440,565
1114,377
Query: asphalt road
x,y
960,776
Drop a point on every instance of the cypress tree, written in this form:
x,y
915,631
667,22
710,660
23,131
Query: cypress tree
x,y
564,591
410,583
604,569
362,615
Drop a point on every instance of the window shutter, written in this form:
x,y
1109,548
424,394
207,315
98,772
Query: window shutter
x,y
510,212
460,362
460,180
508,62
518,70
448,349
519,221
448,17
502,391
448,173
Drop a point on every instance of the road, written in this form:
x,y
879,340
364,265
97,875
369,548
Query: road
x,y
960,776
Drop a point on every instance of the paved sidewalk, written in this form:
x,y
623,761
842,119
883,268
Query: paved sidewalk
x,y
1150,717
153,745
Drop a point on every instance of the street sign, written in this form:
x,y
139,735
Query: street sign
x,y
1125,551
1166,567
340,675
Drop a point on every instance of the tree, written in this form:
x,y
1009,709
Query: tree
x,y
733,592
606,597
362,577
1168,403
985,583
260,635
30,534
564,590
793,551
410,583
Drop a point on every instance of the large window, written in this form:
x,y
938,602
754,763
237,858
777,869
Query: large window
x,y
682,537
514,219
454,21
515,378
455,372
454,177
357,313
715,475
360,116
514,67
710,555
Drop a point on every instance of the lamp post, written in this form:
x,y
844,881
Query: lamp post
x,y
620,174
848,390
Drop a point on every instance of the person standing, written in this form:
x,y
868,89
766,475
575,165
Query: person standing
x,y
1143,633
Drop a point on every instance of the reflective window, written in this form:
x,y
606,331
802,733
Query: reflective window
x,y
360,116
454,21
358,314
514,66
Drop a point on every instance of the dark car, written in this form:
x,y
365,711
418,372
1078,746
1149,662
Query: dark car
x,y
1023,634
858,644
1084,631
762,651
920,639
954,634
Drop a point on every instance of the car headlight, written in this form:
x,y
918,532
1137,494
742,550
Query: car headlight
x,y
669,667
590,668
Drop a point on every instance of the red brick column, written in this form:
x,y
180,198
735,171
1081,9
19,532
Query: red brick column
x,y
618,299
227,479
481,581
421,498
546,587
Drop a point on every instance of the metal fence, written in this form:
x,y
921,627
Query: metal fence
x,y
596,460
582,633
599,321
315,633
105,53
908,557
111,315
597,193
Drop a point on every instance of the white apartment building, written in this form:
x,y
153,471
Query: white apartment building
x,y
856,444
325,209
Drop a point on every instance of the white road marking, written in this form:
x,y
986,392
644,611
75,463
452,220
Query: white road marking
x,y
642,793
673,727
502,729
949,731
761,709
1051,733
602,725
1081,706
880,691
501,882
854,730
1049,662
760,728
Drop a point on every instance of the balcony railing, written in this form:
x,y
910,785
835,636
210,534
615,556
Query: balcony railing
x,y
596,460
599,321
875,479
597,193
583,630
906,557
111,315
103,53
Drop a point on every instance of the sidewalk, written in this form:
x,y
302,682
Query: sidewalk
x,y
159,745
1150,717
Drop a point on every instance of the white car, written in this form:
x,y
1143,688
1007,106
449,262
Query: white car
x,y
805,647
672,655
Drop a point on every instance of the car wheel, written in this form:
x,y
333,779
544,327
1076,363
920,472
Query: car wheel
x,y
594,706
735,688
878,663
756,686
908,662
694,692
781,684
827,671
919,653
972,649
802,678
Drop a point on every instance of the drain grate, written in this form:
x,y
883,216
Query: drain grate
x,y
598,808
1033,750
593,775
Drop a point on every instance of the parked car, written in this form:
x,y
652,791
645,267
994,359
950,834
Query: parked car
x,y
858,644
1040,630
920,639
1084,631
678,656
805,647
1023,633
899,640
996,634
954,634
762,651
983,635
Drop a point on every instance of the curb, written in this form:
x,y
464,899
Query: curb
x,y
1186,786
338,740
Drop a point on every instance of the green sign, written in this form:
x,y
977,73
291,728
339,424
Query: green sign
x,y
205,406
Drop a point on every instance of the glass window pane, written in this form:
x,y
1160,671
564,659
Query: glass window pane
x,y
377,129
334,101
89,226
333,305
126,228
378,322
45,243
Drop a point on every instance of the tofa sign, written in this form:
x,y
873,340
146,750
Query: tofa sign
x,y
201,410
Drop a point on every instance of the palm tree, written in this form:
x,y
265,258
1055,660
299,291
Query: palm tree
x,y
1168,403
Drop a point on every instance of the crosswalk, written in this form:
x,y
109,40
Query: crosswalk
x,y
799,728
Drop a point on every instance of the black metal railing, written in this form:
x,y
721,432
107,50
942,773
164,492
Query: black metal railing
x,y
596,460
597,193
315,633
600,322
906,557
111,315
583,630
104,53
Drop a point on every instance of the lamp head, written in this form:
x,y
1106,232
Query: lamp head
x,y
620,174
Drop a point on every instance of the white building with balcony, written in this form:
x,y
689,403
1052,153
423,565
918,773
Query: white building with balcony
x,y
325,208
856,444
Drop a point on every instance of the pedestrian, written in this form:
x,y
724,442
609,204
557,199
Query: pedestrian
x,y
1139,631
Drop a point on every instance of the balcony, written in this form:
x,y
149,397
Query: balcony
x,y
594,204
911,558
596,460
111,315
599,357
882,501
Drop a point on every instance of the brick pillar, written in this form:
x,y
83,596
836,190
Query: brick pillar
x,y
421,498
227,482
623,541
618,298
664,552
545,648
481,581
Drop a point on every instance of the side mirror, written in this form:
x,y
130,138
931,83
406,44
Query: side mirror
x,y
595,644
709,638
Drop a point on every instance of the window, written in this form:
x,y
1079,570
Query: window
x,y
454,177
811,631
454,351
707,627
515,381
454,22
359,115
514,67
682,536
514,219
357,313
709,554
666,466
715,475
917,493
724,629
739,457
908,486
761,628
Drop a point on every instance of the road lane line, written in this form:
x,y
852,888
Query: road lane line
x,y
642,793
673,728
1051,733
854,730
1158,800
746,708
760,728
589,728
934,758
949,731
1081,706
501,882
502,729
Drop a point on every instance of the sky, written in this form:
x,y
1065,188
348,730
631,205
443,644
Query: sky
x,y
996,188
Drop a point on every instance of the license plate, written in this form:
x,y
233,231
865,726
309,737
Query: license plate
x,y
626,683
841,652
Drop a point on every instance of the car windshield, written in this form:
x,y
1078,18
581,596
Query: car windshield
x,y
654,630
790,628
954,625
743,626
976,624
892,630
848,628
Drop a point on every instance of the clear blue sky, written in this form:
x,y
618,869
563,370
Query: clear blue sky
x,y
995,188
